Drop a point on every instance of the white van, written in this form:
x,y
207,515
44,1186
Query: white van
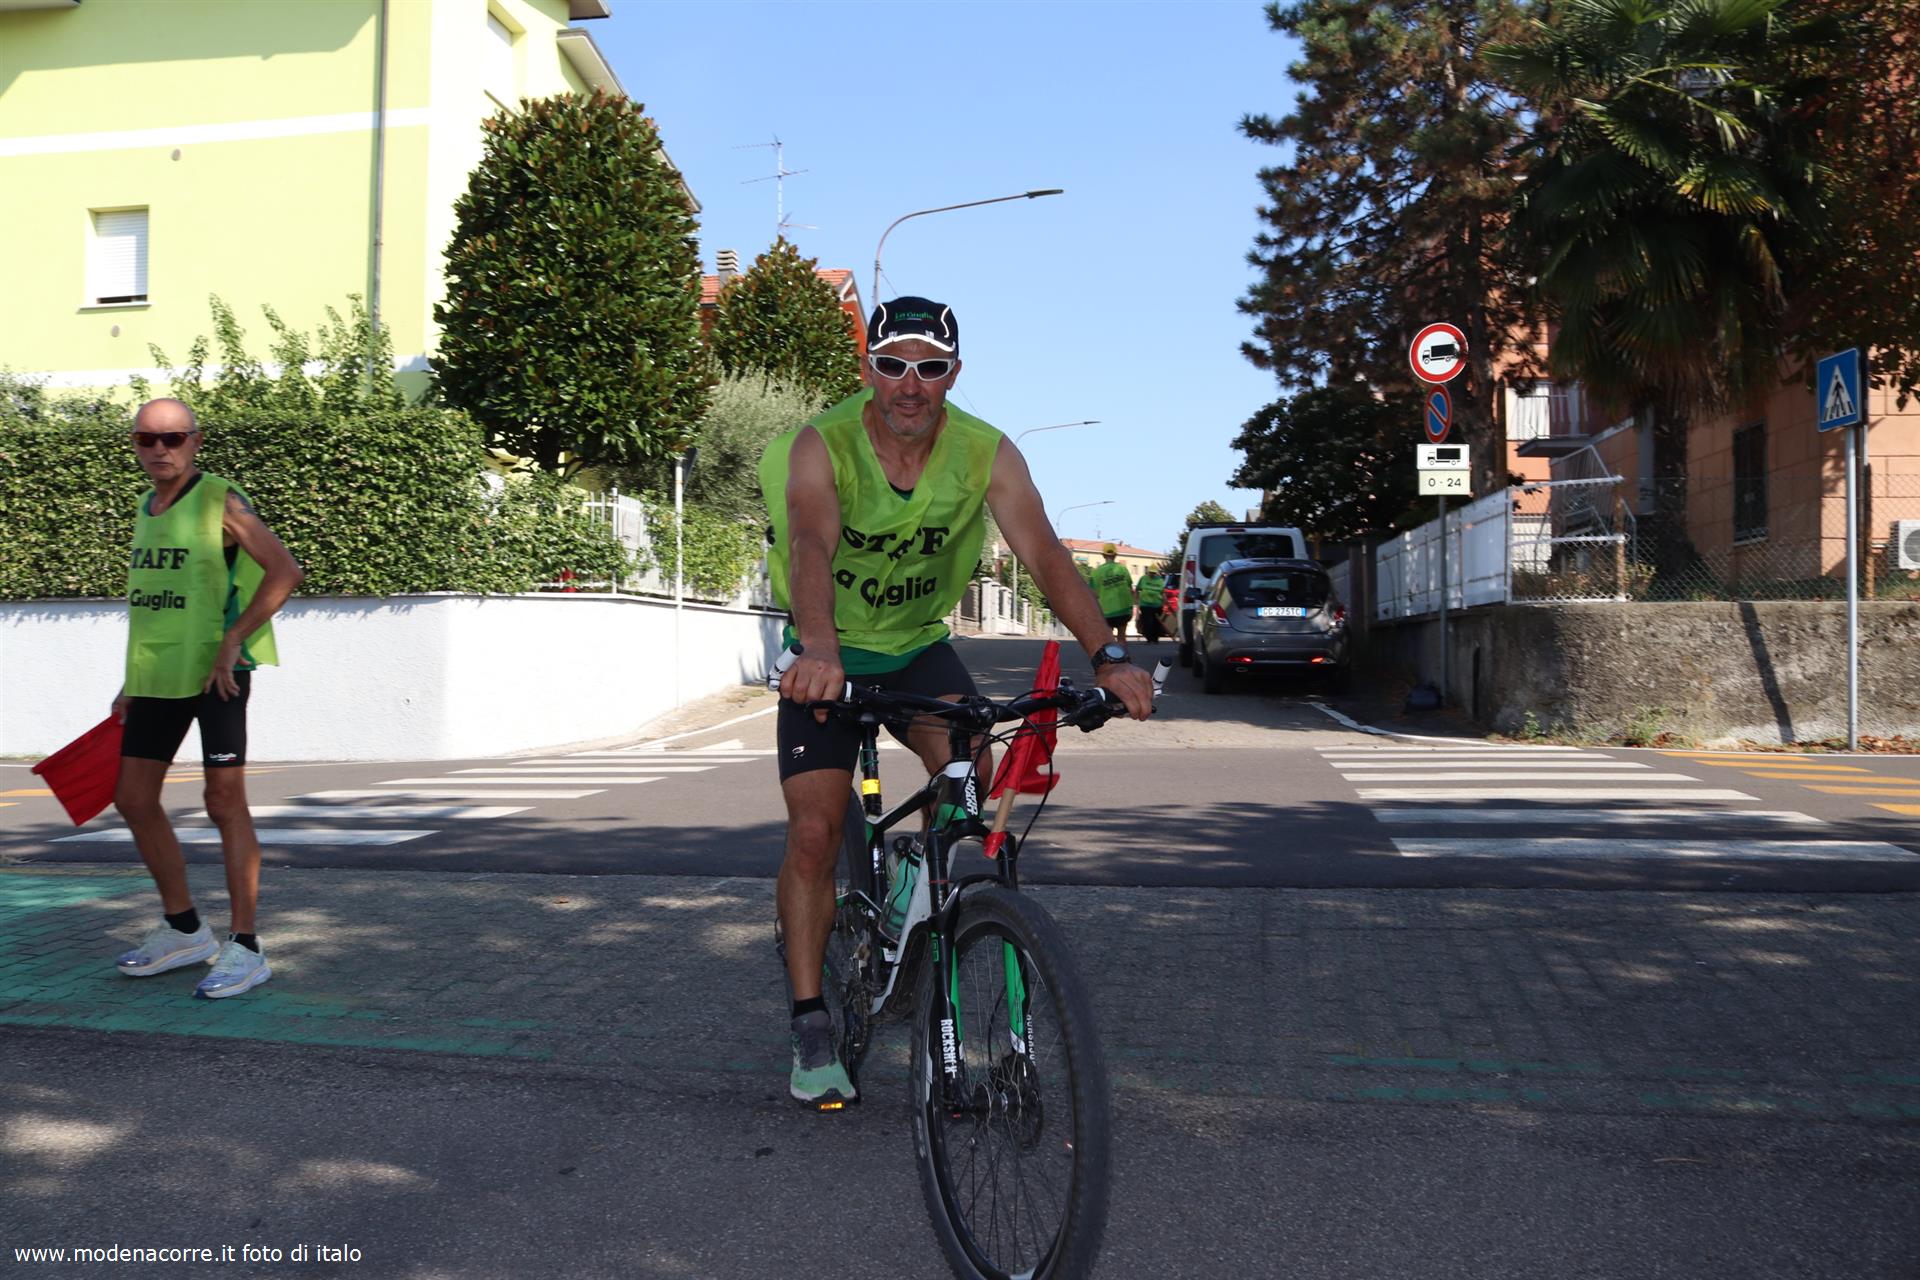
x,y
1211,545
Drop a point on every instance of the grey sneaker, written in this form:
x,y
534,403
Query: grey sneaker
x,y
819,1080
164,948
236,970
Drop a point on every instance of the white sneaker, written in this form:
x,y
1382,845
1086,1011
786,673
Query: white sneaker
x,y
164,948
237,970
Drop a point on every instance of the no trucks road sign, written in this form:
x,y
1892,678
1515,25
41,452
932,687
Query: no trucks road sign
x,y
1438,353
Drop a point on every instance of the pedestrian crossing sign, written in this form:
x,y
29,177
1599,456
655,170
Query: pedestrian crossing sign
x,y
1837,390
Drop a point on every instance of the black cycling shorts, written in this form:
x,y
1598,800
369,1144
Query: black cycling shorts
x,y
806,745
156,727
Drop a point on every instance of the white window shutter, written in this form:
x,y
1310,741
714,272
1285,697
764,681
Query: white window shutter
x,y
120,255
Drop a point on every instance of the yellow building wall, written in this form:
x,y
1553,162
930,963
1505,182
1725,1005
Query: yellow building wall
x,y
246,132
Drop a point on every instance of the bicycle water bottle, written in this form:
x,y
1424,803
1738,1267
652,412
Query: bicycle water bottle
x,y
905,873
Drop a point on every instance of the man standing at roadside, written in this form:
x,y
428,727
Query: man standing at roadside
x,y
204,577
1150,594
1114,586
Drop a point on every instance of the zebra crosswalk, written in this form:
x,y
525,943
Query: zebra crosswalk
x,y
1426,795
403,809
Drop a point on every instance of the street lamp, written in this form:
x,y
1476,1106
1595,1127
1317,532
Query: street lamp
x,y
917,213
1104,502
1058,426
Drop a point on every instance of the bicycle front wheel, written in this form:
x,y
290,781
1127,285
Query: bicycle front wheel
x,y
1013,1156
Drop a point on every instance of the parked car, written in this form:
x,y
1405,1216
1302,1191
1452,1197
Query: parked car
x,y
1271,615
1209,546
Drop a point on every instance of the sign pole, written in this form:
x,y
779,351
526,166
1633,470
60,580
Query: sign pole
x,y
1443,599
1853,598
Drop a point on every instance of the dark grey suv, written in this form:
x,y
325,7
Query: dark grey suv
x,y
1271,615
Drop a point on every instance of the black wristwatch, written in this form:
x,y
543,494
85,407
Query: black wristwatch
x,y
1109,653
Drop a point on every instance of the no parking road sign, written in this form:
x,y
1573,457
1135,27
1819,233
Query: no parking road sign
x,y
1439,415
1438,353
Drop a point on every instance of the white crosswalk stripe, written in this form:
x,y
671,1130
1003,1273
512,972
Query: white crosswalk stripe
x,y
343,816
1489,785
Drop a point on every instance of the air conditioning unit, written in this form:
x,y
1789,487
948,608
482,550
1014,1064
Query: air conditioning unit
x,y
1906,543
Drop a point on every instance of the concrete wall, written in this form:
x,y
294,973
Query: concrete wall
x,y
1764,672
405,677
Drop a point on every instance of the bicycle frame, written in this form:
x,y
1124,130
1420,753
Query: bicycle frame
x,y
955,796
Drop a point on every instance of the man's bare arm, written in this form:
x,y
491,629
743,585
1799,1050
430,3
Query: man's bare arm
x,y
282,574
813,531
1022,517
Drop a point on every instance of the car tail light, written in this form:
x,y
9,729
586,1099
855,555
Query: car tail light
x,y
1317,659
1339,614
1240,660
1219,614
1193,579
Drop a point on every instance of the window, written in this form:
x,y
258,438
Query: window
x,y
500,82
1257,588
1218,548
1750,483
1529,410
117,258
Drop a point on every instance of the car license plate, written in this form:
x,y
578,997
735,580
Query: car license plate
x,y
1281,611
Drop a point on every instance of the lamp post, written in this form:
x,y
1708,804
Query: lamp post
x,y
918,213
1058,426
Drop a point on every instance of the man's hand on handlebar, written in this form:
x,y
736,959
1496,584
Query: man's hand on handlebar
x,y
815,676
1130,684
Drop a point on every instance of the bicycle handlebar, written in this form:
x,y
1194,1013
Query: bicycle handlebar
x,y
1075,704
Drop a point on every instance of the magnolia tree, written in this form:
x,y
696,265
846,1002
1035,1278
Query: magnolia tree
x,y
571,326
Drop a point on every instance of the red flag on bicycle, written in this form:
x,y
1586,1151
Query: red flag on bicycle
x,y
1025,765
83,774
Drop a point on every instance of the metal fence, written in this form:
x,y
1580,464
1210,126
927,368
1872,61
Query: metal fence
x,y
627,517
1599,537
1775,537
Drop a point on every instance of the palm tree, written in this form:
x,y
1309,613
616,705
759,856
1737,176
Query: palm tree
x,y
1670,184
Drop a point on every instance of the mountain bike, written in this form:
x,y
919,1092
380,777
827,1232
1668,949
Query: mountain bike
x,y
1007,1080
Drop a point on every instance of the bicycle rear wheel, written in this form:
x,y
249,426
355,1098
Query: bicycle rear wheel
x,y
847,978
1013,1162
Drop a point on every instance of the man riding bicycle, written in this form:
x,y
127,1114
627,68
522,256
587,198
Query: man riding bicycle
x,y
878,514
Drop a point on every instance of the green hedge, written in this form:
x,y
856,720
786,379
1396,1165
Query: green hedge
x,y
387,500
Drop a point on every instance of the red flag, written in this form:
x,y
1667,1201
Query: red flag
x,y
1024,768
83,774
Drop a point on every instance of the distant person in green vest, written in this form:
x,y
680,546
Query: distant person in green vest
x,y
878,511
1114,586
1149,594
204,577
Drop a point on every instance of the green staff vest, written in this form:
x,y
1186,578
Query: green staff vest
x,y
184,595
901,564
1153,591
1114,585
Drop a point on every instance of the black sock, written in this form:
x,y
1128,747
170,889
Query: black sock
x,y
247,940
816,1004
187,921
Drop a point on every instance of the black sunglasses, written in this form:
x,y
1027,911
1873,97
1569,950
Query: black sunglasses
x,y
171,439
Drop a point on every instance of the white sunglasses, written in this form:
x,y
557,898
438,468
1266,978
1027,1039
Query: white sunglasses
x,y
893,368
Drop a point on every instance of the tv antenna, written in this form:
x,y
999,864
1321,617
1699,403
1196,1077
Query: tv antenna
x,y
779,178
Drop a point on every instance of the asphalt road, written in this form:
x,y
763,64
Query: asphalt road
x,y
1364,1019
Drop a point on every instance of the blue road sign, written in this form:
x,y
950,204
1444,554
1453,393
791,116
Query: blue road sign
x,y
1439,415
1837,394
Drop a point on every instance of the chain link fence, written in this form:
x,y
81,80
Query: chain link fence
x,y
1773,537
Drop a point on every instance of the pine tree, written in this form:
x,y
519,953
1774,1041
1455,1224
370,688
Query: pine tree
x,y
571,325
1388,211
781,320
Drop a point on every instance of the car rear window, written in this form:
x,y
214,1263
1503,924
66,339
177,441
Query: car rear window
x,y
1257,588
1218,548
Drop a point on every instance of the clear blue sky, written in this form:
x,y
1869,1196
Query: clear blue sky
x,y
1114,301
